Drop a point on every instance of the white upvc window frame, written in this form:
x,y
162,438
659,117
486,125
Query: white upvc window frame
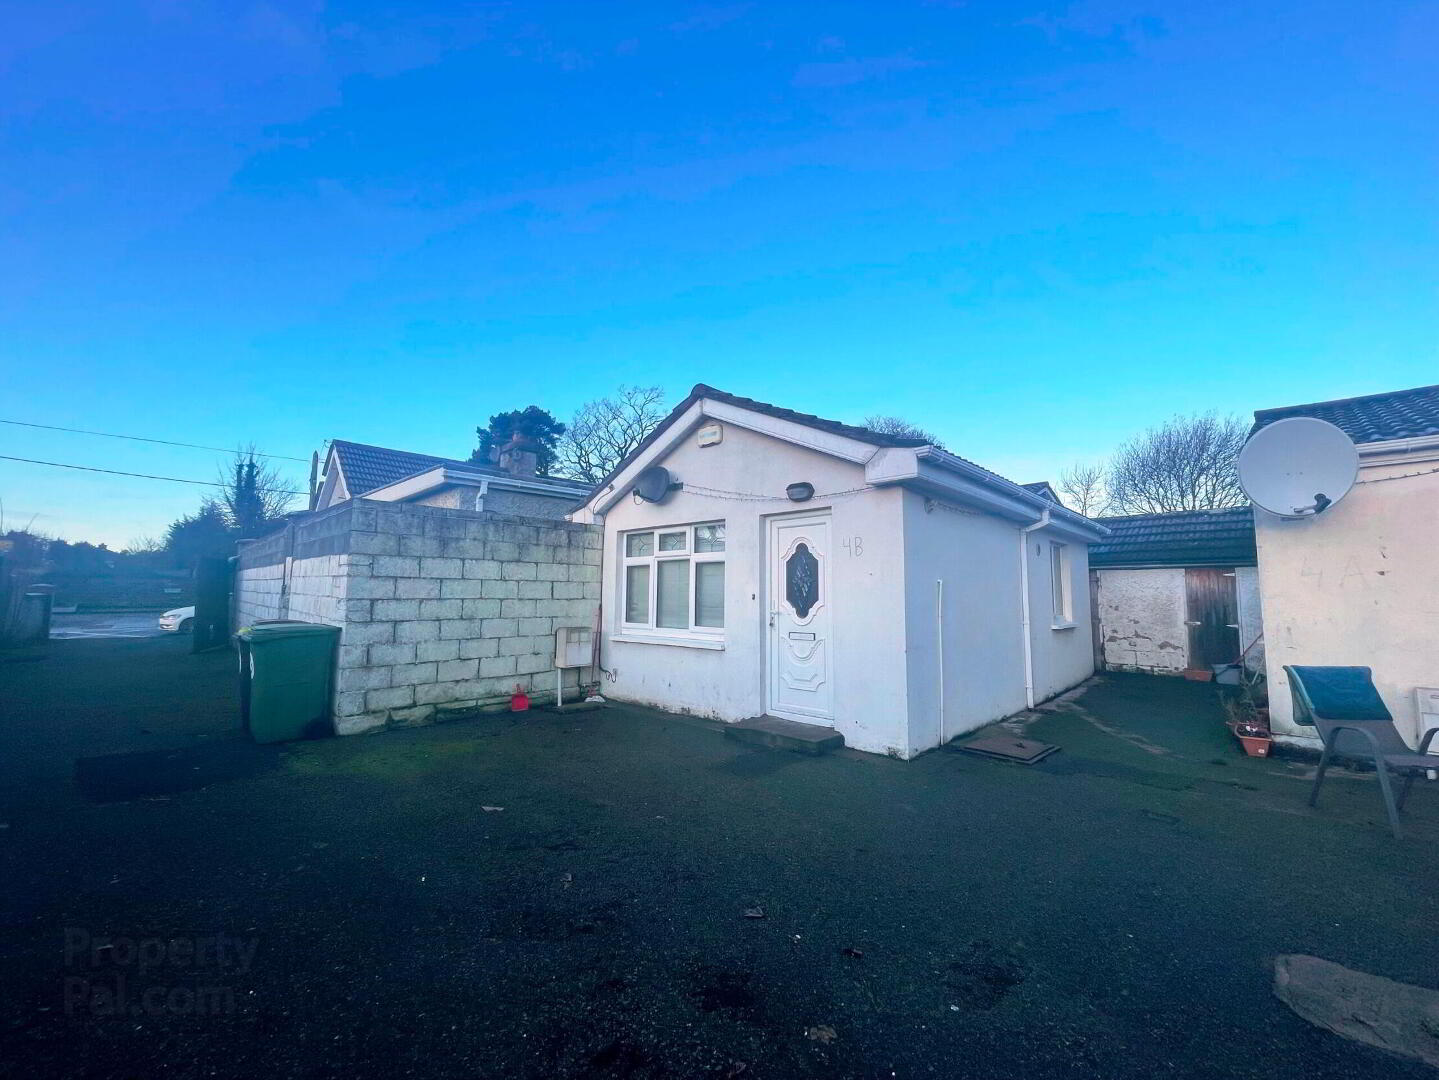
x,y
1061,585
679,541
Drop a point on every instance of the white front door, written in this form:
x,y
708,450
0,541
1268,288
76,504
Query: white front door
x,y
800,650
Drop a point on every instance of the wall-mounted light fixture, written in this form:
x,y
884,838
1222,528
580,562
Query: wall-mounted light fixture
x,y
800,492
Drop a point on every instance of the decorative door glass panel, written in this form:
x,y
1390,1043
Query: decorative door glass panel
x,y
801,581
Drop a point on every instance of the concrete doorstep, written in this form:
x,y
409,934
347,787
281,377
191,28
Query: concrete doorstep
x,y
781,734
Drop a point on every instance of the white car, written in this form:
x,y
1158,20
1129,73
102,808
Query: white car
x,y
178,620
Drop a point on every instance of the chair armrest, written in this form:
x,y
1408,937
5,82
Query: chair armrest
x,y
1427,739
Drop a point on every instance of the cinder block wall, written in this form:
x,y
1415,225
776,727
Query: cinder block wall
x,y
441,609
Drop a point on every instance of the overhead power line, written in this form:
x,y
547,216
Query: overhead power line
x,y
143,476
141,438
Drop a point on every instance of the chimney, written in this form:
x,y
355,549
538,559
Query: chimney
x,y
518,457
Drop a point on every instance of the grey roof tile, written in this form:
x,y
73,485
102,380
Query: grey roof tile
x,y
1185,538
369,467
1398,414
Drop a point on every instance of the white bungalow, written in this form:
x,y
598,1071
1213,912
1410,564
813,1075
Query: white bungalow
x,y
794,567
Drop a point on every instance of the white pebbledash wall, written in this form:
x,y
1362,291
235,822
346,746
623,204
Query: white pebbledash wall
x,y
1359,584
887,552
440,609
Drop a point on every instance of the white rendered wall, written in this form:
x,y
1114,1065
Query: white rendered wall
x,y
977,557
1142,620
1359,584
1065,657
866,580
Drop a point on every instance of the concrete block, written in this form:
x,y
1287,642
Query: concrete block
x,y
482,568
355,611
374,543
437,650
553,608
567,590
352,655
413,717
520,534
500,590
396,566
409,674
461,589
360,725
502,550
415,630
535,627
400,653
442,568
465,548
517,571
371,588
516,646
498,628
456,669
552,571
365,678
397,609
479,648
515,609
534,590
396,697
351,704
592,590
416,588
440,609
371,633
584,573
534,662
495,666
537,553
592,539
421,545
480,609
457,629
439,693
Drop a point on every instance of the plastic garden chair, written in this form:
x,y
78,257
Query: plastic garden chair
x,y
1343,699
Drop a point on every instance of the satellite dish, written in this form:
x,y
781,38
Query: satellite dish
x,y
654,484
1298,467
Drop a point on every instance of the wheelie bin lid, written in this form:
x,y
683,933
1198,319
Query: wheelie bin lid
x,y
285,628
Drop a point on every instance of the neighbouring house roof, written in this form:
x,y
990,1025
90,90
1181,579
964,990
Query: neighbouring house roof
x,y
367,468
1045,488
1183,538
1398,414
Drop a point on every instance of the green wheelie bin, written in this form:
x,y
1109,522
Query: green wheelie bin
x,y
287,672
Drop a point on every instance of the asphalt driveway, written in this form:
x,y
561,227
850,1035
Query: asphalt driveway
x,y
625,893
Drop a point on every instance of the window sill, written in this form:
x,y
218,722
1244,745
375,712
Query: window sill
x,y
1063,626
627,638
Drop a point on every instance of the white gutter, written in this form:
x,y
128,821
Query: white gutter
x,y
1024,601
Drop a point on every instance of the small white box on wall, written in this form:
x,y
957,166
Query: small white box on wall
x,y
574,646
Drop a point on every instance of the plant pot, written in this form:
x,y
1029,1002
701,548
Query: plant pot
x,y
1256,745
1198,674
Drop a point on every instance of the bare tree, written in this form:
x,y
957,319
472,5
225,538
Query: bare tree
x,y
1186,463
605,430
1083,488
897,425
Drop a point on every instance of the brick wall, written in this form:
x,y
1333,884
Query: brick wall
x,y
441,609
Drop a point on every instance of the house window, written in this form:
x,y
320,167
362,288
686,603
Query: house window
x,y
673,580
1059,579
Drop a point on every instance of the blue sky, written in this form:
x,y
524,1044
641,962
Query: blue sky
x,y
1032,227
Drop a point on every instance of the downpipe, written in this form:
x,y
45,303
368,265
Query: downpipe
x,y
1024,618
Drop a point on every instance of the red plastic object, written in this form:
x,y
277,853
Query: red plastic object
x,y
519,700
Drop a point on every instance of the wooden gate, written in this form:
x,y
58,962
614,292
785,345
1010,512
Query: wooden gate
x,y
1213,616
